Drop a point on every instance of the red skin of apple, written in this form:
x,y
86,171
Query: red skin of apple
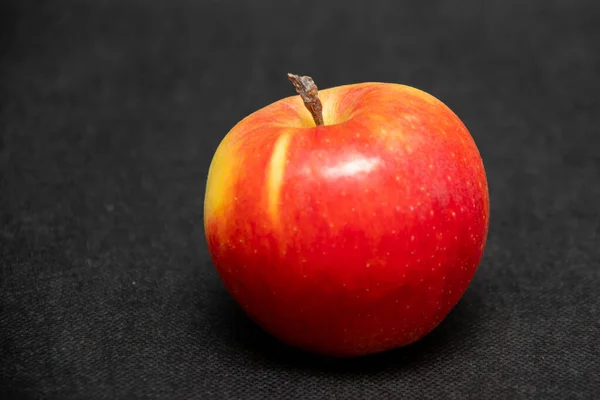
x,y
355,237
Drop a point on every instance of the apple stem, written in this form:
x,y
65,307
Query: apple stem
x,y
306,88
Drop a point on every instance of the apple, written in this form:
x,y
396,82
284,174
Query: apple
x,y
347,221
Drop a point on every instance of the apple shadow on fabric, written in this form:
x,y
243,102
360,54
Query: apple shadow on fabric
x,y
453,333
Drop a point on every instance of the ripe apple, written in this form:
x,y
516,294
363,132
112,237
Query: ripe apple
x,y
352,231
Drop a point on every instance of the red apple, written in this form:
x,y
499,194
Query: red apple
x,y
353,237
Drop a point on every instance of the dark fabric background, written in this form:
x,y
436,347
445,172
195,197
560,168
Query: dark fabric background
x,y
111,111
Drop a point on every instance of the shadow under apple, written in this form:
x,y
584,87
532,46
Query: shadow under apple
x,y
452,335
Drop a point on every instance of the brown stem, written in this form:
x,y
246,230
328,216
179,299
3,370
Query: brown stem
x,y
306,88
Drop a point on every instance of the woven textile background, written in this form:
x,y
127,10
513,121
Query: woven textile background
x,y
111,110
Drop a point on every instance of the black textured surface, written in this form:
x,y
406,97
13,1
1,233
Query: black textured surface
x,y
111,110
